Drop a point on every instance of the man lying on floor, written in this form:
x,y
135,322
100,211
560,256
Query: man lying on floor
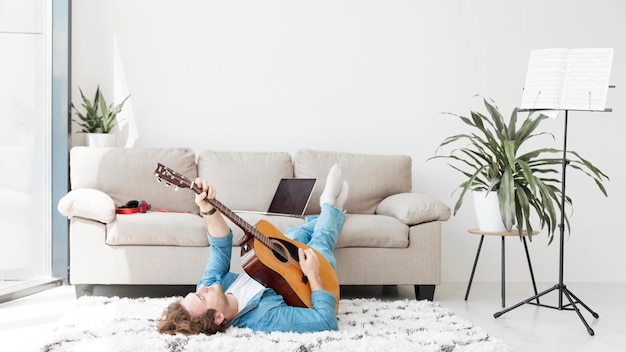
x,y
224,299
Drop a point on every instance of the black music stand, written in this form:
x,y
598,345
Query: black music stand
x,y
560,286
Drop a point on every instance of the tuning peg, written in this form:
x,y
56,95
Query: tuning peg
x,y
176,189
158,179
167,184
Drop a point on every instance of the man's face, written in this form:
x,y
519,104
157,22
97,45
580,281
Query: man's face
x,y
197,303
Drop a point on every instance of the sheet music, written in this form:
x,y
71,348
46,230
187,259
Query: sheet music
x,y
544,79
576,79
587,79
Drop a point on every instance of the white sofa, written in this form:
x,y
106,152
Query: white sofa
x,y
391,235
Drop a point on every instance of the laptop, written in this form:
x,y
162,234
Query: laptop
x,y
291,197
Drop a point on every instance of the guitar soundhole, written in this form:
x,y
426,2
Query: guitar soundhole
x,y
283,250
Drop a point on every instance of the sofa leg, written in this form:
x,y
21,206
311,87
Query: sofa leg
x,y
424,292
83,290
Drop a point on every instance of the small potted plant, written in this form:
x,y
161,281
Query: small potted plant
x,y
492,159
98,119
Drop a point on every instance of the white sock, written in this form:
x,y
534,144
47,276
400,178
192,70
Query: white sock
x,y
340,202
334,182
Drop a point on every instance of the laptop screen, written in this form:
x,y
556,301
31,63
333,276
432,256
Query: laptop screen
x,y
292,196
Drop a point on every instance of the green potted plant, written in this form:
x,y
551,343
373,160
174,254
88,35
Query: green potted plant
x,y
98,118
527,183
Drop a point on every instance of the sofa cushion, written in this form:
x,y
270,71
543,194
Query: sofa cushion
x,y
128,174
87,203
363,230
245,180
157,229
371,177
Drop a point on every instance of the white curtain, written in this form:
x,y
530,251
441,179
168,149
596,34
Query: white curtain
x,y
24,140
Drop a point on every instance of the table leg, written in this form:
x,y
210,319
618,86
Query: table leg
x,y
469,285
503,271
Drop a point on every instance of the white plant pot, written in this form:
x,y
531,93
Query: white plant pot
x,y
101,140
487,210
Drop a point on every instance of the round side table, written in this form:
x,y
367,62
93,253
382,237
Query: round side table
x,y
503,235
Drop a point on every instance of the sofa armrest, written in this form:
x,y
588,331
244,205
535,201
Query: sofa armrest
x,y
87,203
413,208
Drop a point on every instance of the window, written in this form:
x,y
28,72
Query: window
x,y
25,146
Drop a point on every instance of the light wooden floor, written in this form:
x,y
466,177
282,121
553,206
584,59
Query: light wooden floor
x,y
533,328
26,322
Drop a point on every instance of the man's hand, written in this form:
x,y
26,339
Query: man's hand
x,y
202,199
310,265
216,226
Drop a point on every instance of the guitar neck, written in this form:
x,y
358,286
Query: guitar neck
x,y
232,216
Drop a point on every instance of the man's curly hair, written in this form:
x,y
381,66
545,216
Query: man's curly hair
x,y
175,319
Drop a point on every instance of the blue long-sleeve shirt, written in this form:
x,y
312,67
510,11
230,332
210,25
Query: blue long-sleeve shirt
x,y
267,311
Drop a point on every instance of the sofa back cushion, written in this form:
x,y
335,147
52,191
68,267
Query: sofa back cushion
x,y
244,180
371,177
128,174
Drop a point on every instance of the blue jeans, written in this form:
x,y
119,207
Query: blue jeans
x,y
320,232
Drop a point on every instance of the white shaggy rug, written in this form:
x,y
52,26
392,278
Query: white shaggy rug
x,y
99,324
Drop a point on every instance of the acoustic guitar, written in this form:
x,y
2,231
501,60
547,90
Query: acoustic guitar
x,y
267,255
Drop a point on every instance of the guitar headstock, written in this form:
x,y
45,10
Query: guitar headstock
x,y
171,177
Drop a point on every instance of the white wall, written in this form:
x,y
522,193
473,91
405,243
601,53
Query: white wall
x,y
362,76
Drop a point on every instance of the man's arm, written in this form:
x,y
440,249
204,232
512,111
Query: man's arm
x,y
220,236
215,223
